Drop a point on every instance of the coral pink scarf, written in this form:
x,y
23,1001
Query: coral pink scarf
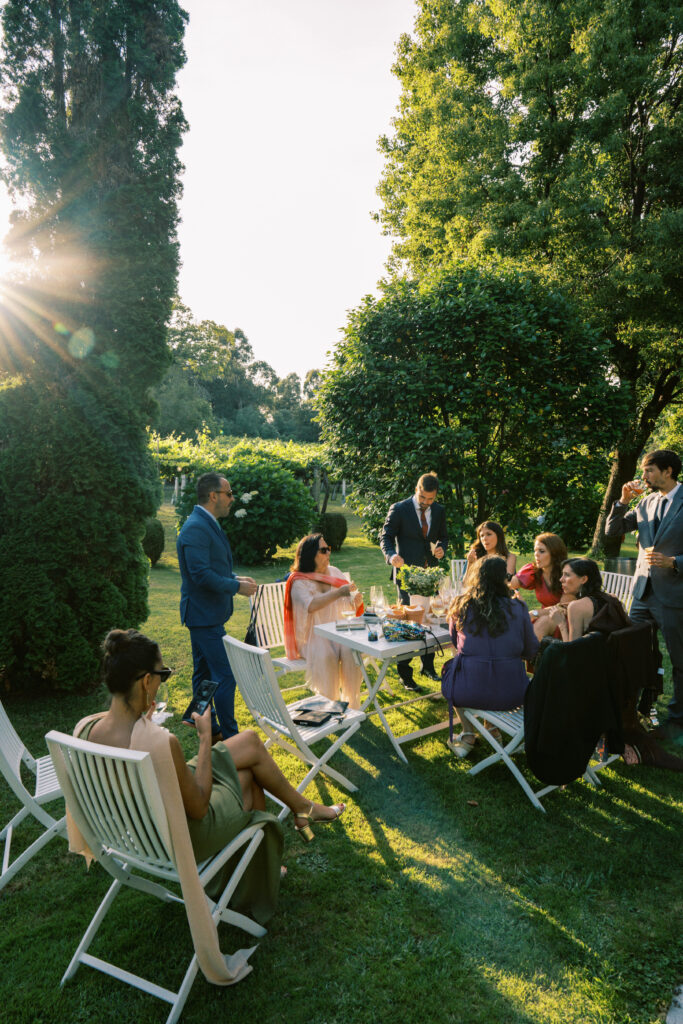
x,y
291,650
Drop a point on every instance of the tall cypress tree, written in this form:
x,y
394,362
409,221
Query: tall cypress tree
x,y
90,135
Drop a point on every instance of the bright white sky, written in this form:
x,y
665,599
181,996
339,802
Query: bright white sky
x,y
285,102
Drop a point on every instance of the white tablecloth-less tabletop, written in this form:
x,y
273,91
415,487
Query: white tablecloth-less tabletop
x,y
386,653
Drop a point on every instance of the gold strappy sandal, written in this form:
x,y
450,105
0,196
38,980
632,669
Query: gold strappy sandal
x,y
305,831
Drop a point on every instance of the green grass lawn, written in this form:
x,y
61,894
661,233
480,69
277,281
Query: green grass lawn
x,y
437,898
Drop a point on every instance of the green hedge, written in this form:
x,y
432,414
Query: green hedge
x,y
272,509
154,541
333,527
76,486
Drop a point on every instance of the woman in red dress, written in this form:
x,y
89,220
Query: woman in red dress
x,y
543,577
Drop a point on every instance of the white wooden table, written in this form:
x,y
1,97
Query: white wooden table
x,y
386,653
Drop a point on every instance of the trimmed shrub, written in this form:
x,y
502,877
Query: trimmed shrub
x,y
333,527
75,487
271,509
153,542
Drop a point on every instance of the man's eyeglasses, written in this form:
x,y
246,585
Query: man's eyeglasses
x,y
325,551
229,493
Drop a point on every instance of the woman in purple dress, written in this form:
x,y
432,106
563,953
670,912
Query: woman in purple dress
x,y
492,635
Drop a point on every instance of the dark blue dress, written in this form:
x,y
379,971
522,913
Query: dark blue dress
x,y
488,672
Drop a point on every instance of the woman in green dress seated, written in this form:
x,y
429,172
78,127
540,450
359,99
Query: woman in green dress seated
x,y
222,788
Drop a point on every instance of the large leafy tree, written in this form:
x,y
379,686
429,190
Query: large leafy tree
x,y
215,382
90,135
487,376
554,132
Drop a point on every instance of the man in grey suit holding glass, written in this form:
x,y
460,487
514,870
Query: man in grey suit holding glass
x,y
658,580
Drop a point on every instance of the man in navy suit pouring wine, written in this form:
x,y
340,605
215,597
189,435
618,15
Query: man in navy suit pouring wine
x,y
415,533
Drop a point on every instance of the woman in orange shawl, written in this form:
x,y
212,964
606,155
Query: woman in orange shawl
x,y
312,597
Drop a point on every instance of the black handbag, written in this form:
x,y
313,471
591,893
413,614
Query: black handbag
x,y
250,636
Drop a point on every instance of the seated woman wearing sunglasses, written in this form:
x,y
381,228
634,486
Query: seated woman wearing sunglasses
x,y
313,595
222,788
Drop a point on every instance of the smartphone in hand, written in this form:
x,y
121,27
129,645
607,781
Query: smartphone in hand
x,y
201,700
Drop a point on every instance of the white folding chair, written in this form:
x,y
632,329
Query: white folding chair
x,y
270,619
511,723
619,585
258,685
13,754
114,798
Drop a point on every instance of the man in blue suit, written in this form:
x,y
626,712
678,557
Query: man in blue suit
x,y
658,579
207,589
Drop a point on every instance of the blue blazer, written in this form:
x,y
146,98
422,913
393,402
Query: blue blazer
x,y
208,582
402,534
667,585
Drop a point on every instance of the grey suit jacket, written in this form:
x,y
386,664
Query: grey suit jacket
x,y
667,585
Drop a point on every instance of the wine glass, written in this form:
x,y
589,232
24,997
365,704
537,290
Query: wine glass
x,y
437,606
347,607
161,698
378,601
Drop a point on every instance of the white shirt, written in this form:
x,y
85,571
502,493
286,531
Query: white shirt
x,y
205,509
427,512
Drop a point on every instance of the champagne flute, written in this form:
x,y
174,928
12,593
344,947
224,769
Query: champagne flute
x,y
161,698
379,601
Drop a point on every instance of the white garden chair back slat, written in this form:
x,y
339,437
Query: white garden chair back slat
x,y
258,685
619,585
270,617
118,804
13,753
114,798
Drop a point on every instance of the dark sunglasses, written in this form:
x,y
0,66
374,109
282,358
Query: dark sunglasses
x,y
229,493
163,673
325,551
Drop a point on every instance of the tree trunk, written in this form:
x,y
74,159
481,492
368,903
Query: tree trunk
x,y
316,486
623,469
326,488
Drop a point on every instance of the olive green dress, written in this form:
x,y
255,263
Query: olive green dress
x,y
257,891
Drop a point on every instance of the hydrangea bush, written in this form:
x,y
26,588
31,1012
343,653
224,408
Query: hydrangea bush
x,y
271,509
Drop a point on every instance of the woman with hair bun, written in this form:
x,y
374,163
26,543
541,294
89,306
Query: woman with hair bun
x,y
222,788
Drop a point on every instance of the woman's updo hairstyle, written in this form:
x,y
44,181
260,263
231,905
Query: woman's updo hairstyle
x,y
127,656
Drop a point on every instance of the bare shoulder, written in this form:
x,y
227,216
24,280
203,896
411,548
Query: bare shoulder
x,y
177,752
579,609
